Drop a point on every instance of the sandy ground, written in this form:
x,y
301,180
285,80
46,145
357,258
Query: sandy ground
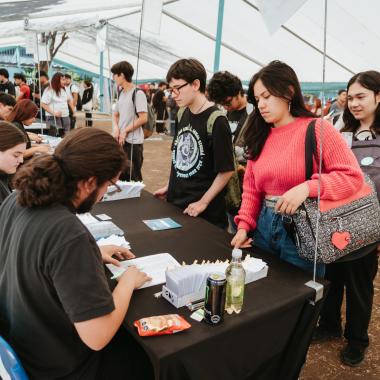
x,y
323,359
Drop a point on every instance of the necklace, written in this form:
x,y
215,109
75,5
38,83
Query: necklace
x,y
199,110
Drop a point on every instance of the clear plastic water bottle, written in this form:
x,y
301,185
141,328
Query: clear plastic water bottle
x,y
235,275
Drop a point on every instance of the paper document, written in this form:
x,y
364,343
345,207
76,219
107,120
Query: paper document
x,y
162,224
114,240
154,266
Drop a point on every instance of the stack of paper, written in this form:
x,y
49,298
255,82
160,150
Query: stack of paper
x,y
128,190
114,240
188,283
154,266
99,229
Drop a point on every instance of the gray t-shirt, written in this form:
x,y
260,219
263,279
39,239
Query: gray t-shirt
x,y
126,109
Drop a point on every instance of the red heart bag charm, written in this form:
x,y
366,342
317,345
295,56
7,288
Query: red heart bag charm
x,y
341,239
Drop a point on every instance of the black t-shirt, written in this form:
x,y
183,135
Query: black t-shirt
x,y
197,159
5,189
236,120
51,275
8,88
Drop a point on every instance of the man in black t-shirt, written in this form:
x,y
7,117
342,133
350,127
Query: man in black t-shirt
x,y
60,312
202,159
226,89
5,85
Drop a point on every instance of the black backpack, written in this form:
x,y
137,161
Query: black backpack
x,y
367,153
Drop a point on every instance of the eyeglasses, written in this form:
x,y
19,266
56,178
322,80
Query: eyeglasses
x,y
117,188
175,90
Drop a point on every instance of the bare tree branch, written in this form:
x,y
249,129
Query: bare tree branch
x,y
63,39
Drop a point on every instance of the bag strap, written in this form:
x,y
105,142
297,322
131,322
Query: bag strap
x,y
310,149
211,120
180,113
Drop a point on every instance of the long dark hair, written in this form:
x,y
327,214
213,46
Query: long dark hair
x,y
10,136
23,110
281,81
82,154
55,83
371,81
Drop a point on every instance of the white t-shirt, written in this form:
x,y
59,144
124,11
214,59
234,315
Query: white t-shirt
x,y
126,109
55,102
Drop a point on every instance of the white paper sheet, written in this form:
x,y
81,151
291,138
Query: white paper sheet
x,y
154,266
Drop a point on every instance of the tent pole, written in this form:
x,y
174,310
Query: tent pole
x,y
218,39
39,81
101,90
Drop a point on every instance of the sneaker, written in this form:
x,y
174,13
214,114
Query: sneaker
x,y
323,334
352,356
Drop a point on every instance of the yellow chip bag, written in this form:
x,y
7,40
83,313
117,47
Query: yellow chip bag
x,y
161,325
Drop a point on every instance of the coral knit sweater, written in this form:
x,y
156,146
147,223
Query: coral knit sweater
x,y
281,166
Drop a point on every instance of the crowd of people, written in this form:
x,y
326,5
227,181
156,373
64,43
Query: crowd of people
x,y
218,131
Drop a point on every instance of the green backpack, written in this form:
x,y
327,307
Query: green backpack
x,y
233,189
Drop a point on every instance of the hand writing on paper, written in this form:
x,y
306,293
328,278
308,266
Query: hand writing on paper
x,y
161,193
241,240
121,253
292,199
196,208
134,276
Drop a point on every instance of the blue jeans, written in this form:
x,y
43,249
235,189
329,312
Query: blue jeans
x,y
271,236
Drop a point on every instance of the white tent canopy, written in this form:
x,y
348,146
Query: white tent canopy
x,y
188,29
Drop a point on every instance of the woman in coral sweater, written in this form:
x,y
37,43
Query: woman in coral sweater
x,y
274,183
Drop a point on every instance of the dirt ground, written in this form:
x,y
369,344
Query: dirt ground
x,y
323,359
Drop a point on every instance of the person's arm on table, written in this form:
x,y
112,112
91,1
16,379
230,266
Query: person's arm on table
x,y
219,183
162,193
97,333
108,251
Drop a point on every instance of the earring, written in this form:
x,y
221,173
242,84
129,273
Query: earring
x,y
289,106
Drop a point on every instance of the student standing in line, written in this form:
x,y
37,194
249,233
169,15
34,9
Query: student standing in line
x,y
131,113
202,162
56,102
274,183
61,316
5,85
12,148
355,273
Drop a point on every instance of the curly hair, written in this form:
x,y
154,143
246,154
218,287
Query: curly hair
x,y
82,154
222,85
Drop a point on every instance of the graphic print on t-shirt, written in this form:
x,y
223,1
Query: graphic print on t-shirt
x,y
188,152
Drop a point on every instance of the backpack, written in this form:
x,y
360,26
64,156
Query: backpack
x,y
233,188
367,153
150,125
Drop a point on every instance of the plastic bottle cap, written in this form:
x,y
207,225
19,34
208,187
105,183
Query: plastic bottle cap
x,y
237,253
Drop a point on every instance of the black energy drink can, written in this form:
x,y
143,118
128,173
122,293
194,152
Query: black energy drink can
x,y
215,298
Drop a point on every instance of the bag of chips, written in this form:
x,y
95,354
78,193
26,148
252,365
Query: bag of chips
x,y
161,325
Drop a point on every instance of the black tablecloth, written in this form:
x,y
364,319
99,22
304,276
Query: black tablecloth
x,y
267,340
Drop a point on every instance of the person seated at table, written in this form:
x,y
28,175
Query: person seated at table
x,y
60,315
274,184
23,114
202,163
7,102
12,147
